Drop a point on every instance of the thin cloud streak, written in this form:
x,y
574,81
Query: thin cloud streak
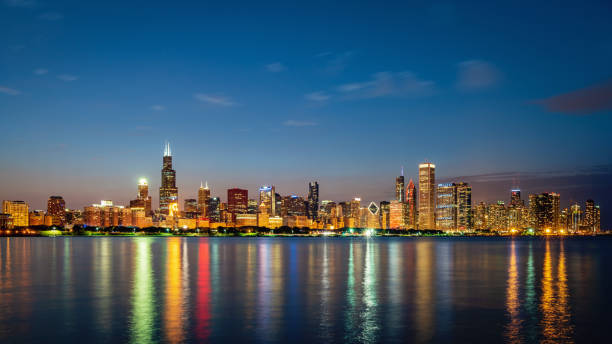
x,y
9,91
40,71
214,99
318,96
293,123
51,16
389,84
158,107
67,77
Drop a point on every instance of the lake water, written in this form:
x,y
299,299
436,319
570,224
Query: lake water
x,y
304,290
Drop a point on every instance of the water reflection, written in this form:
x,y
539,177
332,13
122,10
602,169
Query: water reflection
x,y
143,305
555,320
146,290
513,328
173,309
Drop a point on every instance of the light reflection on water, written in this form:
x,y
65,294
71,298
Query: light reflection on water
x,y
175,290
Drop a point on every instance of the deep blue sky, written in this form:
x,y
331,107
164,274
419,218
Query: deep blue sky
x,y
250,93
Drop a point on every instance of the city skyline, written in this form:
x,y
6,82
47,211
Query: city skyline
x,y
446,207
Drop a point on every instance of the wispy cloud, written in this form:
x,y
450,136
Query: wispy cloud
x,y
477,75
293,123
276,67
21,3
388,84
40,71
318,96
67,77
335,62
51,16
9,91
214,99
158,107
583,101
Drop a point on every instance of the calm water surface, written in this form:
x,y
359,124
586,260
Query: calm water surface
x,y
304,290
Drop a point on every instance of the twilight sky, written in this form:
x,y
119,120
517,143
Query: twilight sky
x,y
249,93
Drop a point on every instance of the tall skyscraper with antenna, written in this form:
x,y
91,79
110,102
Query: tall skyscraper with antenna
x,y
203,199
168,192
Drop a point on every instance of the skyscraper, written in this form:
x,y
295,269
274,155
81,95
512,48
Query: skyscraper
x,y
168,192
203,199
427,196
446,207
396,214
515,198
214,212
399,187
544,209
313,200
18,210
411,206
143,200
56,208
464,207
267,200
237,201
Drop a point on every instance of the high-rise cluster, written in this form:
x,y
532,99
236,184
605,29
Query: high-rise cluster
x,y
444,207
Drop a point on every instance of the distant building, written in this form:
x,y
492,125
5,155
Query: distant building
x,y
56,208
214,209
106,214
168,192
203,199
313,200
19,212
267,200
143,200
385,214
497,217
544,210
293,206
464,207
252,206
411,216
191,208
399,188
481,216
246,220
446,207
396,215
427,196
237,201
6,221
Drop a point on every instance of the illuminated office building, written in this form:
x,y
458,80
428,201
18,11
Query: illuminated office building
x,y
267,200
399,188
293,206
446,207
592,217
252,206
279,201
465,220
544,210
214,212
575,217
237,201
385,215
143,200
373,216
19,212
37,218
481,216
515,198
396,214
56,209
410,217
427,196
168,192
106,214
497,217
191,208
313,200
6,221
203,199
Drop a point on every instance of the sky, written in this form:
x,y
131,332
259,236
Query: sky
x,y
500,94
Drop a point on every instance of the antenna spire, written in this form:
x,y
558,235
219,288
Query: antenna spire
x,y
167,151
